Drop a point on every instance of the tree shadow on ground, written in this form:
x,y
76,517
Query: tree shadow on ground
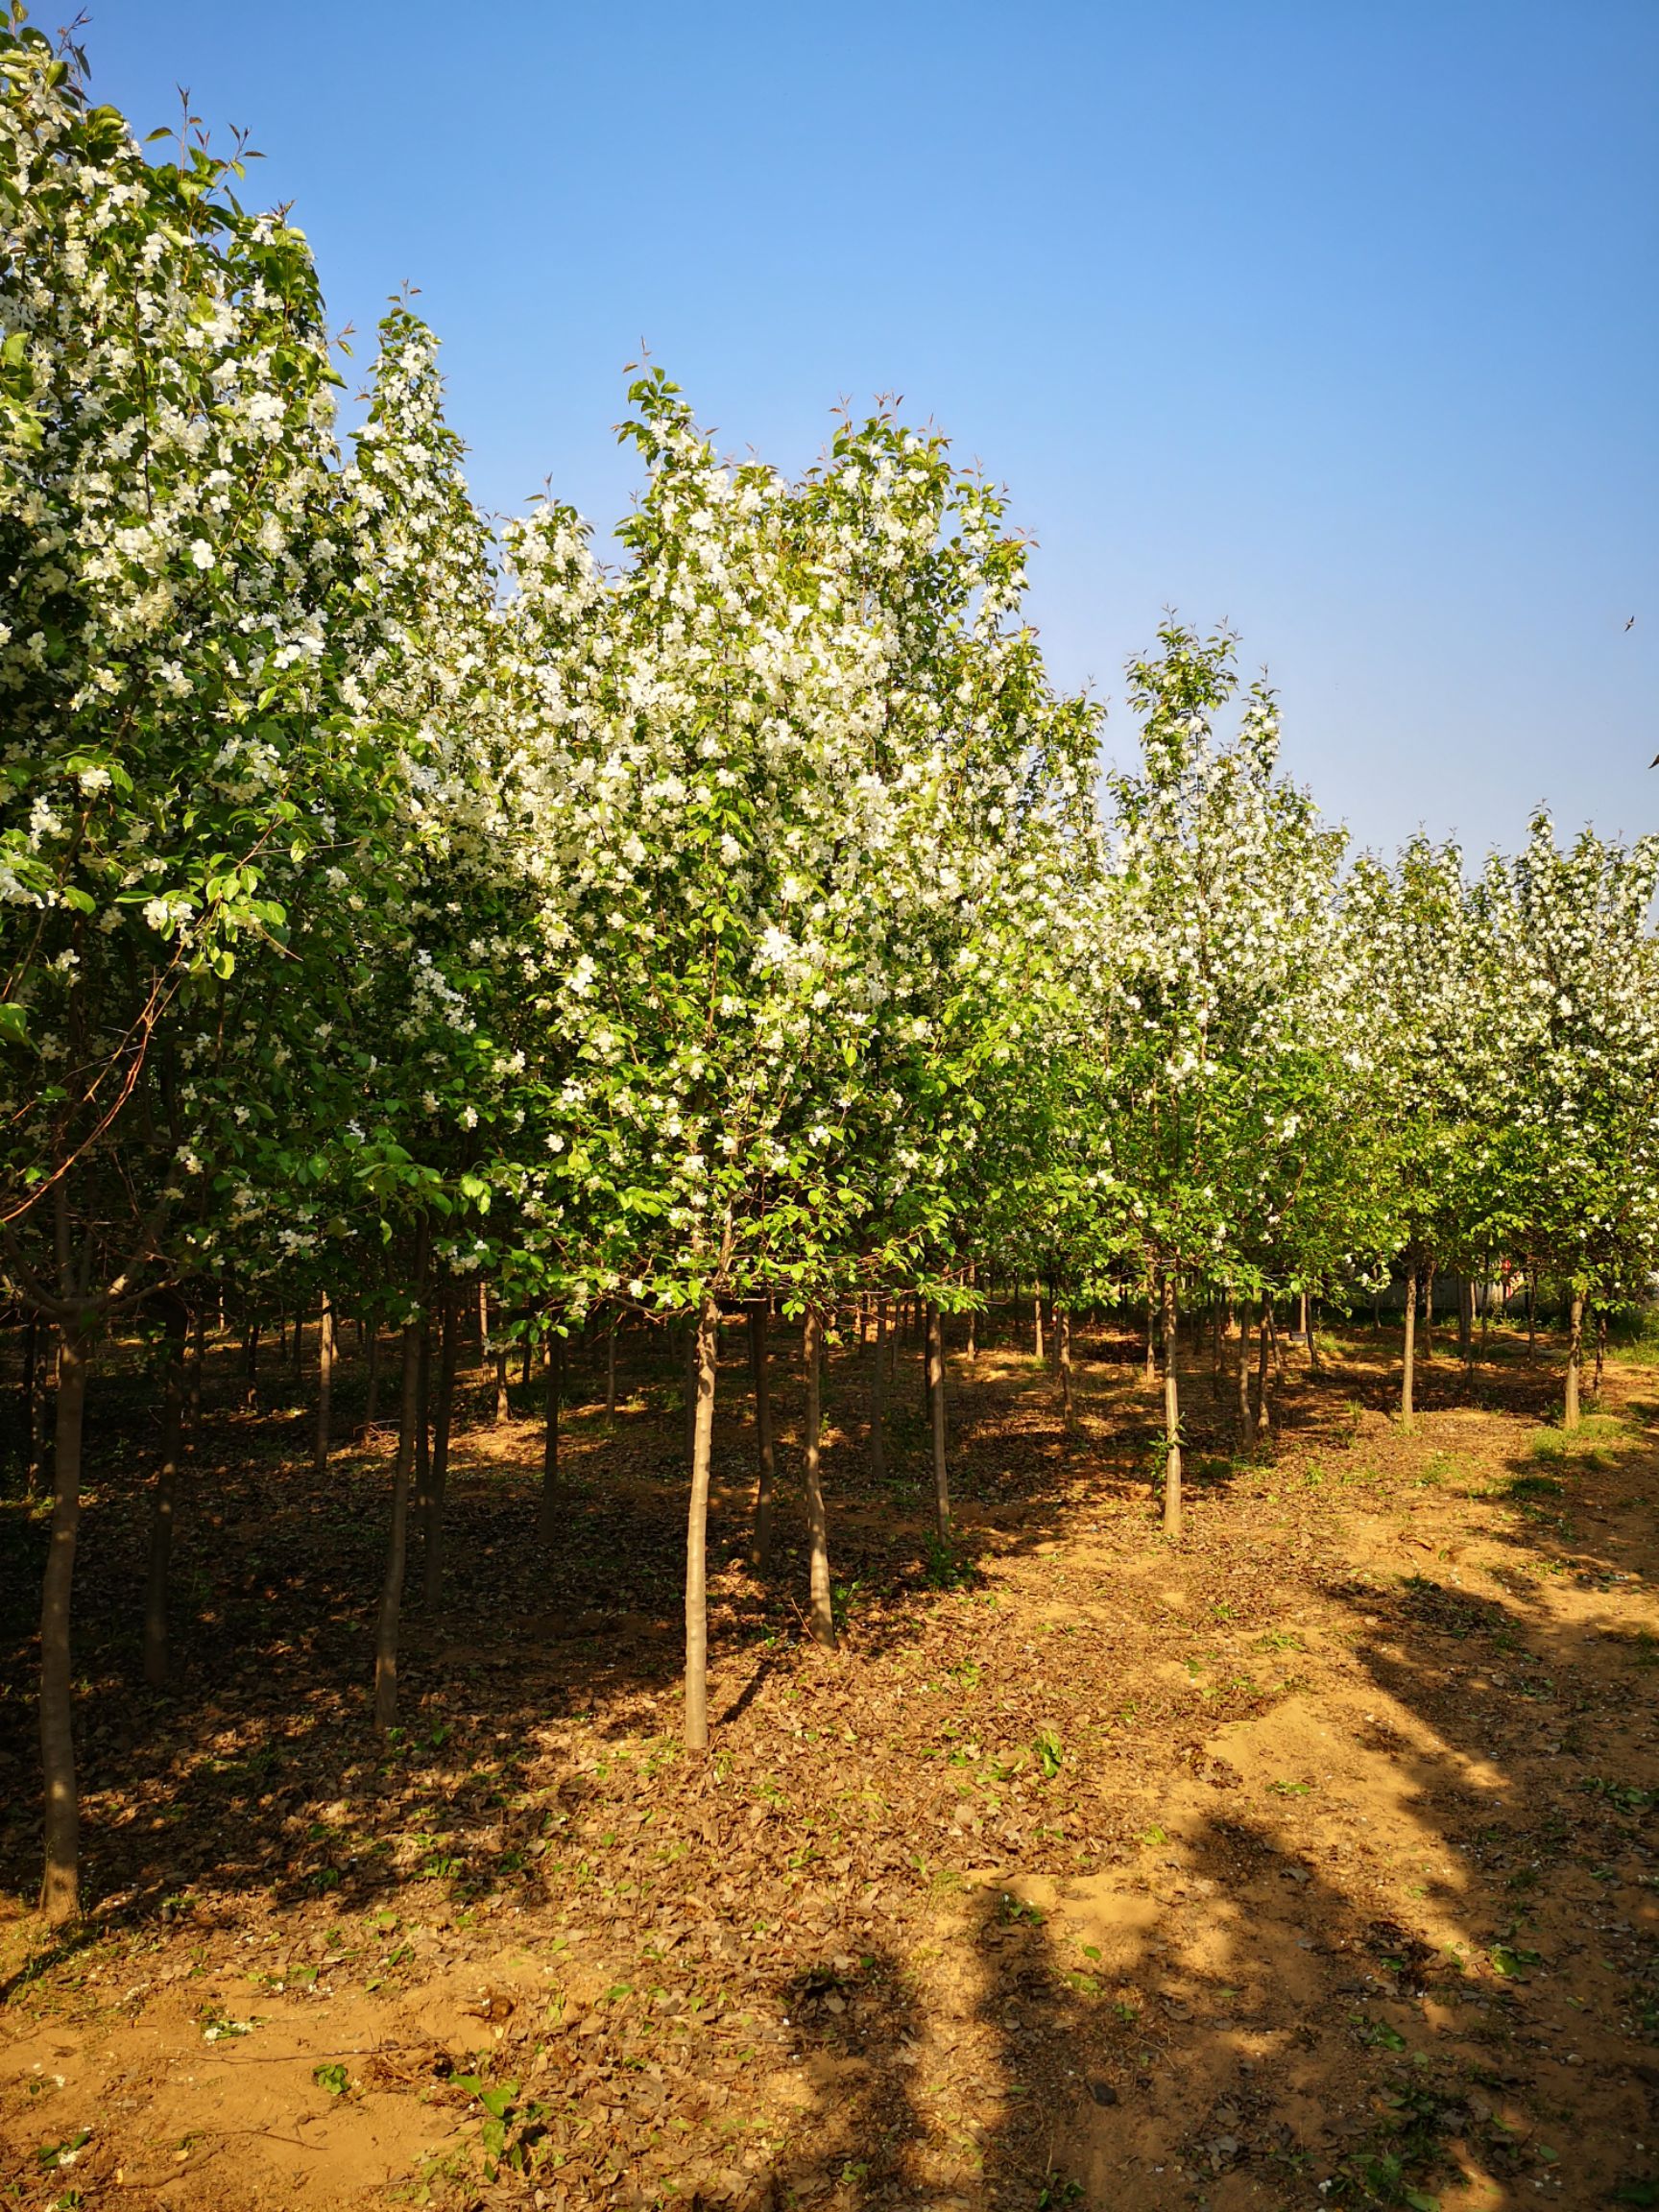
x,y
1055,1891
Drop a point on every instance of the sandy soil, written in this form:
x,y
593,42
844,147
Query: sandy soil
x,y
1307,1863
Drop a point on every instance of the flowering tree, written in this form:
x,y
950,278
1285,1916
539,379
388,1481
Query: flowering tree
x,y
1442,1055
1220,987
790,750
166,408
1579,1153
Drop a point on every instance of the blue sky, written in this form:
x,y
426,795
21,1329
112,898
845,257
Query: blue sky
x,y
1338,323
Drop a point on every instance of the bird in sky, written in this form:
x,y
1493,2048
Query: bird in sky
x,y
1631,624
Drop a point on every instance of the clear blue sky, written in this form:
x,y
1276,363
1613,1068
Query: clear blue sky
x,y
1336,321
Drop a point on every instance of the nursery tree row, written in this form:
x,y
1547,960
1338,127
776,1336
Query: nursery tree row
x,y
734,917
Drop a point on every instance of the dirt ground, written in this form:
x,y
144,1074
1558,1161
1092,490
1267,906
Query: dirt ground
x,y
1311,1862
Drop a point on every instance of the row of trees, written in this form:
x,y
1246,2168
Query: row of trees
x,y
392,900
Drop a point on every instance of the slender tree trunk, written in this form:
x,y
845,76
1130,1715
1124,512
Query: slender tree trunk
x,y
423,1425
1246,1425
1408,1368
705,1341
1313,1366
324,1384
1531,1312
760,1367
1264,1353
936,1411
398,1545
1037,1321
503,1403
547,1516
251,1360
610,1368
164,1497
823,1612
1151,1341
877,1440
1574,1358
1307,1336
1171,1410
973,1316
691,1370
33,1395
1375,1312
1062,1331
432,1533
482,1319
197,1368
60,1888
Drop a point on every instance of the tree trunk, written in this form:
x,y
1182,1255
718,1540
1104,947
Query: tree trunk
x,y
33,1397
1171,1411
423,1425
972,1316
1574,1358
1264,1353
610,1368
823,1612
936,1413
397,1544
482,1319
1408,1366
503,1403
324,1384
1246,1422
164,1497
878,1441
61,1888
197,1368
760,1368
1151,1341
1037,1322
547,1514
1062,1331
704,1342
251,1363
444,1416
1313,1312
